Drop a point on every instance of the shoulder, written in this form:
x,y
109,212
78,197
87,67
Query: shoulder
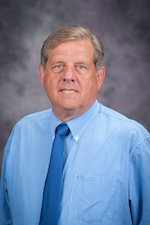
x,y
124,131
30,127
37,115
33,124
37,118
116,119
121,129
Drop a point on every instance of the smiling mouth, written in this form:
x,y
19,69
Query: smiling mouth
x,y
68,91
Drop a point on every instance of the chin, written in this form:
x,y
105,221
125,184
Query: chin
x,y
70,105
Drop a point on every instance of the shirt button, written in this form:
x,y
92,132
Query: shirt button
x,y
76,138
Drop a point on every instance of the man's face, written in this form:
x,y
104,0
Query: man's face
x,y
69,81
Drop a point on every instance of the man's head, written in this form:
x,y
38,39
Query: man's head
x,y
69,34
71,71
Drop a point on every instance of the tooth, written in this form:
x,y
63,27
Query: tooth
x,y
68,91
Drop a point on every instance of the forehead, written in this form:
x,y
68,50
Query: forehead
x,y
75,48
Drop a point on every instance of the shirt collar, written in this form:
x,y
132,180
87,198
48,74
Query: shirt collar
x,y
79,124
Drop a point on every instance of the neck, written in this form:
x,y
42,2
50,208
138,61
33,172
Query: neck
x,y
66,115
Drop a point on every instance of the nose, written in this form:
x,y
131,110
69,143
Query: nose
x,y
69,74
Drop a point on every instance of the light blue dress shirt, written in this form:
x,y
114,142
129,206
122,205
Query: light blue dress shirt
x,y
106,164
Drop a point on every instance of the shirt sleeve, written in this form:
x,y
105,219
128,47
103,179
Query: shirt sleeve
x,y
139,183
5,214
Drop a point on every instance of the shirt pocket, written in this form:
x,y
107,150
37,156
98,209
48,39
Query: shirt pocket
x,y
92,198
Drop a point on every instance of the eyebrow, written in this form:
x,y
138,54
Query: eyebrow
x,y
62,62
57,62
81,62
86,64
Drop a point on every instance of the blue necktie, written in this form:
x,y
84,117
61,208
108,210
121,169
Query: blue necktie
x,y
52,189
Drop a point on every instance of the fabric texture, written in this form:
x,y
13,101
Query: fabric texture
x,y
106,164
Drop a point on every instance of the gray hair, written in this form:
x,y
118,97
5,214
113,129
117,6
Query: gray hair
x,y
72,33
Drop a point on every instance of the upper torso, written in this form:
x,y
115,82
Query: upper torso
x,y
96,173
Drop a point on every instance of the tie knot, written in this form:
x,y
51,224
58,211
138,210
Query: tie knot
x,y
62,129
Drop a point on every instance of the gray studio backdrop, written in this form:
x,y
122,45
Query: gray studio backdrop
x,y
124,29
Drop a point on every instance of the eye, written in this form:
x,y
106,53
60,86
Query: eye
x,y
59,66
81,67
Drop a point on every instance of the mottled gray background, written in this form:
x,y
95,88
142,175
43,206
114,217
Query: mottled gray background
x,y
124,29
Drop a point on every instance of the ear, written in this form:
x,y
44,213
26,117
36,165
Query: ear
x,y
100,76
41,74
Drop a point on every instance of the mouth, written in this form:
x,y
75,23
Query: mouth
x,y
68,91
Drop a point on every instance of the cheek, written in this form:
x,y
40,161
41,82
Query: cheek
x,y
90,85
49,88
50,83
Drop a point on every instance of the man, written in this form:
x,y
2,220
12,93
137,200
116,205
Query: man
x,y
106,159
